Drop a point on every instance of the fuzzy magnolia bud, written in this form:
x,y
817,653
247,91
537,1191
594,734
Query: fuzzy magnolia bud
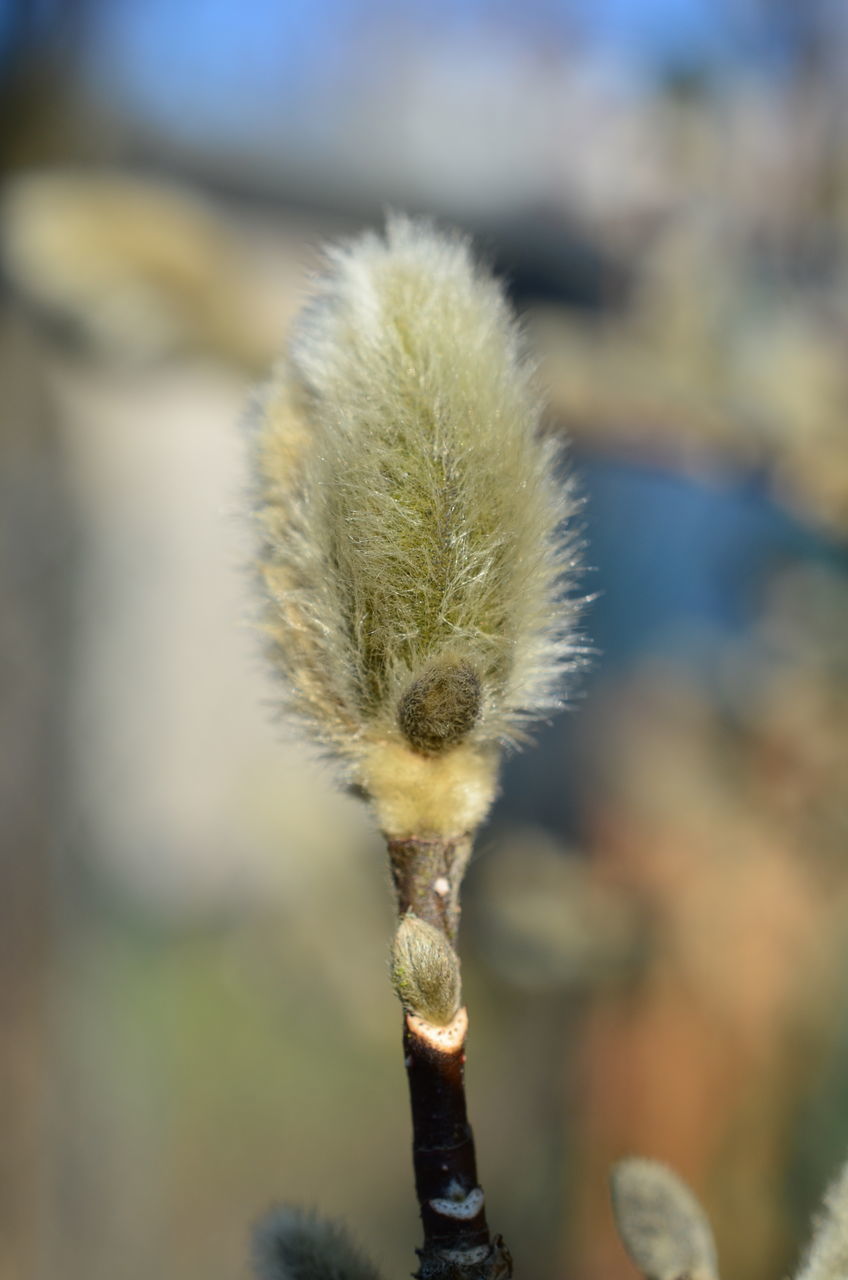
x,y
827,1256
661,1224
425,972
414,556
291,1244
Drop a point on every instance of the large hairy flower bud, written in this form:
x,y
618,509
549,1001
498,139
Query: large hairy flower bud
x,y
415,555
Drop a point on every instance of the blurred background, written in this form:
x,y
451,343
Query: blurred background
x,y
195,1014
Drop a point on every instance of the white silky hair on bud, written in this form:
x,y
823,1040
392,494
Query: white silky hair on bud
x,y
661,1224
417,550
293,1244
827,1255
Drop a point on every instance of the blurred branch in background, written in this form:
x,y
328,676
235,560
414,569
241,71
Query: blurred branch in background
x,y
36,554
42,100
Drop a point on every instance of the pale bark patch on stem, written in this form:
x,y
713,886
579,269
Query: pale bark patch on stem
x,y
449,1039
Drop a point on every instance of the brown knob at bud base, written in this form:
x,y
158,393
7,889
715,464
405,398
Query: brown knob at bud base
x,y
440,707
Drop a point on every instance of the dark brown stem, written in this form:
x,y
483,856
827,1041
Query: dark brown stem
x,y
457,1244
427,874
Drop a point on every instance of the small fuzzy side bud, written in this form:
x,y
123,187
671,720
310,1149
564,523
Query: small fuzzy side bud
x,y
425,972
293,1244
827,1255
661,1224
441,707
